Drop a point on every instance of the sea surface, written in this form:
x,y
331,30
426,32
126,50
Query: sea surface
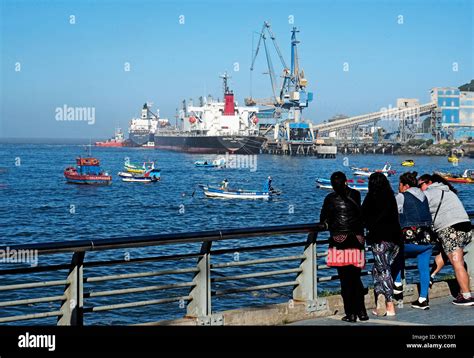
x,y
38,206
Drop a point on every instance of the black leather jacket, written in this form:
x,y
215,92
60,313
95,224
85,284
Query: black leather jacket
x,y
342,215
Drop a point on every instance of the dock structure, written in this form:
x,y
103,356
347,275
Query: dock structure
x,y
73,283
306,148
404,115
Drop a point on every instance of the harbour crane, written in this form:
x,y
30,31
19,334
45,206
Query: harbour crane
x,y
290,97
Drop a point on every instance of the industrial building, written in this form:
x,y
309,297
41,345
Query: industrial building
x,y
456,111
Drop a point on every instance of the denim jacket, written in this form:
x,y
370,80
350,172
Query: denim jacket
x,y
415,210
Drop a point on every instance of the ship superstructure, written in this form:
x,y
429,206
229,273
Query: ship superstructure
x,y
214,127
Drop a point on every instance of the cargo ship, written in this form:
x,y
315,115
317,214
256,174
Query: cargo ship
x,y
141,131
116,141
213,127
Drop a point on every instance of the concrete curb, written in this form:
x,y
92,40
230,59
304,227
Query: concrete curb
x,y
293,311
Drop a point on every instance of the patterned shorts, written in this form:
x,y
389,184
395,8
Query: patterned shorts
x,y
451,240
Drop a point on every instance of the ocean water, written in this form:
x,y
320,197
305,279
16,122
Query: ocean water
x,y
38,206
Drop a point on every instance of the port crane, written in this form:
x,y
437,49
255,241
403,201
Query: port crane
x,y
289,97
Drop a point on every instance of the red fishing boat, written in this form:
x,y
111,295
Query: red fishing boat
x,y
465,178
87,171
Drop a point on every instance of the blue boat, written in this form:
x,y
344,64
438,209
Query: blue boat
x,y
326,184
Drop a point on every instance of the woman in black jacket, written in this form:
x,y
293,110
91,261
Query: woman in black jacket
x,y
380,213
342,214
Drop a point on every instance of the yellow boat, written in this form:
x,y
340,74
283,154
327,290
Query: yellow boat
x,y
453,159
408,163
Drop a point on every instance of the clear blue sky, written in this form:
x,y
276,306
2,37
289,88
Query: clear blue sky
x,y
83,64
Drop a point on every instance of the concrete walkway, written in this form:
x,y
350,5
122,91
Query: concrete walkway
x,y
441,312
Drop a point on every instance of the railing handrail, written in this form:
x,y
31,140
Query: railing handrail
x,y
167,239
164,239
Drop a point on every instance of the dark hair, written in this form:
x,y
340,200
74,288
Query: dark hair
x,y
379,185
436,178
426,178
338,182
409,178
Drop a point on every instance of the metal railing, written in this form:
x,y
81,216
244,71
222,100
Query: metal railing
x,y
202,284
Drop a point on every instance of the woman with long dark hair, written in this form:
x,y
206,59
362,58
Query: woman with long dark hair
x,y
453,227
342,214
380,215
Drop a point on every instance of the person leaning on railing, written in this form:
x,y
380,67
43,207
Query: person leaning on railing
x,y
342,214
415,221
453,227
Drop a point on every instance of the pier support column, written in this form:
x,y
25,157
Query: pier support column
x,y
306,290
72,307
200,305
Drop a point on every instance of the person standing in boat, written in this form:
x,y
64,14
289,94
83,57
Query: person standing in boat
x,y
380,215
269,185
224,184
342,215
453,227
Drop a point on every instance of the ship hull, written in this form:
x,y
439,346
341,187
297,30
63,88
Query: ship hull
x,y
109,144
210,144
137,139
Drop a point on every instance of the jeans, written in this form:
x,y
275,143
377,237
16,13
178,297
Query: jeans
x,y
352,289
423,254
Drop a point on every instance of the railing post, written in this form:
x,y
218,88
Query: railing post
x,y
72,306
306,290
200,304
469,260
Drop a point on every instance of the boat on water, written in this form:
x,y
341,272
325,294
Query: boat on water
x,y
467,177
227,193
150,176
408,163
386,170
216,163
116,141
453,159
139,168
213,127
87,171
357,185
141,131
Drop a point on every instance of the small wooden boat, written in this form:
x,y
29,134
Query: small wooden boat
x,y
139,169
151,176
87,171
453,159
386,170
217,192
217,163
465,178
358,185
408,163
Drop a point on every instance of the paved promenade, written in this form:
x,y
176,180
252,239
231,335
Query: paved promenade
x,y
441,312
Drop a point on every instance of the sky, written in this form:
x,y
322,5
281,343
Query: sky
x,y
113,56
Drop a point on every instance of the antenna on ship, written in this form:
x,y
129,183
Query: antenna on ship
x,y
225,77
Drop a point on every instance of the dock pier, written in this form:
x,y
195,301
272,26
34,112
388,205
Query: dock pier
x,y
304,148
